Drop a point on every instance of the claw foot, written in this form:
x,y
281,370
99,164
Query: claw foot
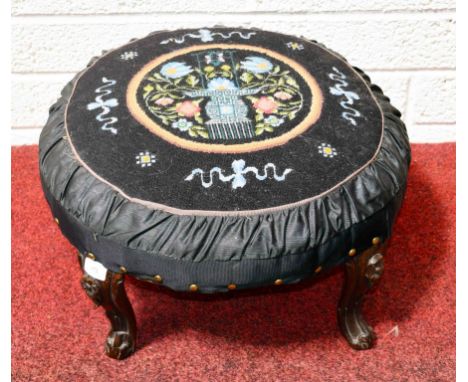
x,y
119,345
363,341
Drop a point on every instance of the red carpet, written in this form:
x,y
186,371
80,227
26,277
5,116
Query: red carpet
x,y
286,335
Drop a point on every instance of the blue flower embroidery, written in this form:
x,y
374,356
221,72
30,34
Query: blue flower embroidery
x,y
182,124
256,64
175,69
219,83
274,120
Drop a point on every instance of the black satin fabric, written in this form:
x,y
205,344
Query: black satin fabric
x,y
214,251
214,276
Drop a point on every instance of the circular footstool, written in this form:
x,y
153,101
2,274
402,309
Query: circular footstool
x,y
221,159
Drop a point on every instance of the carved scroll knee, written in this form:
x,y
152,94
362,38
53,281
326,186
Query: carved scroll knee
x,y
106,289
361,272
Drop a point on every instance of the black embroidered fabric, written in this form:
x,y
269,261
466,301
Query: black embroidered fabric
x,y
223,156
162,122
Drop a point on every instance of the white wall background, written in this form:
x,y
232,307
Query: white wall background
x,y
406,46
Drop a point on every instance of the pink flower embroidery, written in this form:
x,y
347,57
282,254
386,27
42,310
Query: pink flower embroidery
x,y
187,108
266,105
165,101
283,95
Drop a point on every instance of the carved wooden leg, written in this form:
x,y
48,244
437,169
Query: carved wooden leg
x,y
110,294
362,272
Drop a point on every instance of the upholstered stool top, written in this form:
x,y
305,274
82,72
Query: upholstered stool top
x,y
220,156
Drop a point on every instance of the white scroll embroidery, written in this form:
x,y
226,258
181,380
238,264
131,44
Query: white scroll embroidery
x,y
105,105
239,170
205,35
338,90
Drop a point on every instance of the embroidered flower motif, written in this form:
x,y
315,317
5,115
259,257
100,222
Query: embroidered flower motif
x,y
182,124
283,96
266,105
128,55
214,58
221,84
327,150
274,121
187,108
256,64
295,45
164,101
222,94
145,159
175,69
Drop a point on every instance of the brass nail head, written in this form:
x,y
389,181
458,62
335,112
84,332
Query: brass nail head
x,y
278,282
376,240
318,269
158,279
352,252
56,221
232,286
91,256
123,269
193,287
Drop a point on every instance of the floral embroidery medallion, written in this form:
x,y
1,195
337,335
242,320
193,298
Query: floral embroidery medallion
x,y
225,98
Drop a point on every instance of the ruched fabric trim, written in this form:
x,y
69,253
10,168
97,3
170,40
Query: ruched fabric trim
x,y
283,232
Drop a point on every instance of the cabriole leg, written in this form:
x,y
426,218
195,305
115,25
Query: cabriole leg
x,y
361,272
110,294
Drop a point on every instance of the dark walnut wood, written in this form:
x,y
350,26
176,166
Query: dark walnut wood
x,y
361,272
110,294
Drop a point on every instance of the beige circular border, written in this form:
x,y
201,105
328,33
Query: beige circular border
x,y
140,115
